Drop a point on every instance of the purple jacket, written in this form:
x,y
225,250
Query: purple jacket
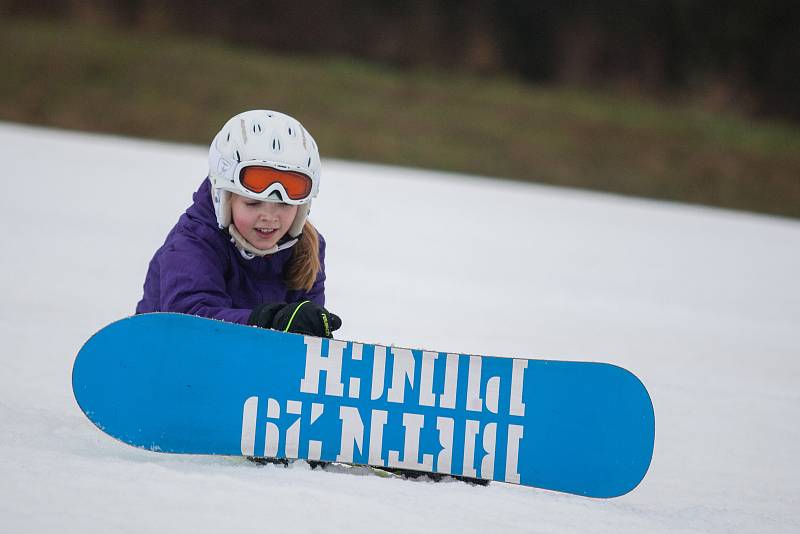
x,y
198,271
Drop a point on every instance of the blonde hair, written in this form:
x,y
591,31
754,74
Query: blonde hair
x,y
303,267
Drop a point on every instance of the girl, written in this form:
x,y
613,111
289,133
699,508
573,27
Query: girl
x,y
244,251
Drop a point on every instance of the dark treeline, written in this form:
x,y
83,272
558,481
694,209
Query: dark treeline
x,y
735,54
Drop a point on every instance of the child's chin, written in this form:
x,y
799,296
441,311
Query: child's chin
x,y
263,243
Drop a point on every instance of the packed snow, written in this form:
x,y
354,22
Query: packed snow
x,y
702,304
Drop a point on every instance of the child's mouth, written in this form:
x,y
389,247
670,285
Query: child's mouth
x,y
266,232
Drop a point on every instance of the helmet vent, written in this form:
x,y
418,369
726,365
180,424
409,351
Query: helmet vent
x,y
276,145
309,163
228,138
257,128
238,156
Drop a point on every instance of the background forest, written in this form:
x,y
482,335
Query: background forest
x,y
673,99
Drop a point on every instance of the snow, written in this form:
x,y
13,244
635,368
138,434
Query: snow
x,y
702,304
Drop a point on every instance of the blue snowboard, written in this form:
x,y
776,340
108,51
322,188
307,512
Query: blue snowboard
x,y
182,384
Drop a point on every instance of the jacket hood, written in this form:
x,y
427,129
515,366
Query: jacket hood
x,y
202,209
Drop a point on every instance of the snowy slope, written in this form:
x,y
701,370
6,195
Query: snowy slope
x,y
703,305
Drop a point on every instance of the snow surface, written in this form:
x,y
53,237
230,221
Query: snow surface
x,y
702,304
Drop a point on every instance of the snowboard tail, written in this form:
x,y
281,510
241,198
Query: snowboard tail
x,y
183,384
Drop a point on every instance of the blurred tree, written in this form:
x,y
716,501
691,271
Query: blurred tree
x,y
733,54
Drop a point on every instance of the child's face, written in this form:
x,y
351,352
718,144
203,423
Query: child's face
x,y
263,224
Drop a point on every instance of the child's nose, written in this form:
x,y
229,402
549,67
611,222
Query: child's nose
x,y
269,211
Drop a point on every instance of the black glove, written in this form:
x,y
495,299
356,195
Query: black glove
x,y
298,317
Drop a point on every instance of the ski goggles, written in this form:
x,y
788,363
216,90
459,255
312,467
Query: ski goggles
x,y
262,180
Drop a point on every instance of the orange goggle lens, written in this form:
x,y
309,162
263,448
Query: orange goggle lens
x,y
258,179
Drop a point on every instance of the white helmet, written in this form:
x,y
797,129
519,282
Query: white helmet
x,y
264,139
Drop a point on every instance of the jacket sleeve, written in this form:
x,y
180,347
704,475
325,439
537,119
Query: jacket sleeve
x,y
192,281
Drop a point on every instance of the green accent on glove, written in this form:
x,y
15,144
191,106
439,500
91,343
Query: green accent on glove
x,y
289,324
